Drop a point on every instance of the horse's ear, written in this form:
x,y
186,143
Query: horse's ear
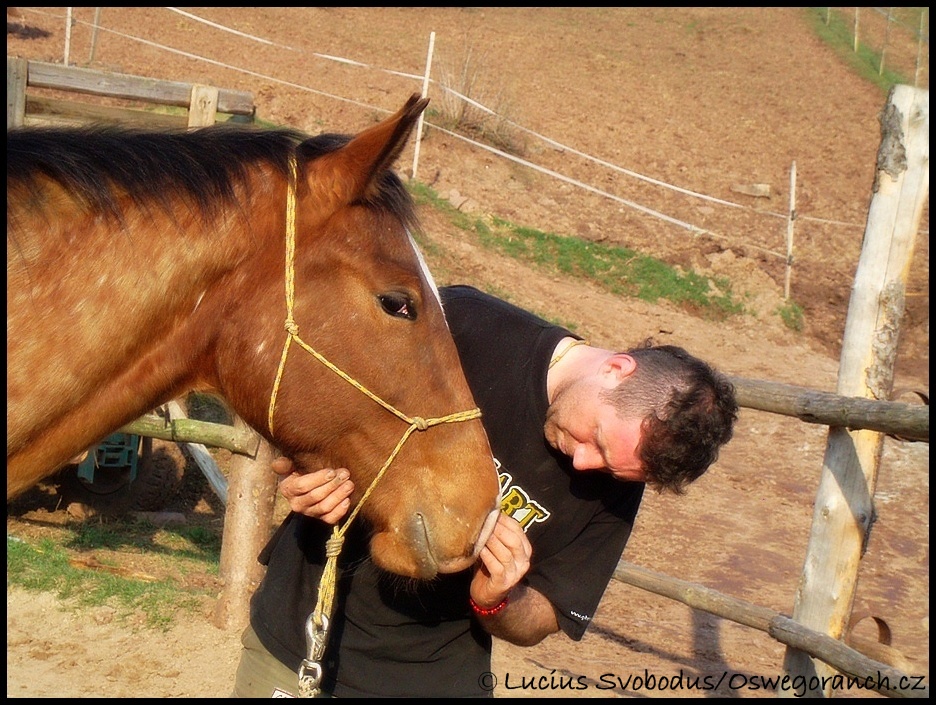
x,y
350,174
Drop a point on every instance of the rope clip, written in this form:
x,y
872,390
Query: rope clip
x,y
310,670
316,636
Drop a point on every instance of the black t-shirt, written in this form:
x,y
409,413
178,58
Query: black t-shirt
x,y
392,636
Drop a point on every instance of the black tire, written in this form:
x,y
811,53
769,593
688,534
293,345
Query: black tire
x,y
159,475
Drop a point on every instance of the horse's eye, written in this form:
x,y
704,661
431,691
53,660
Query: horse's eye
x,y
399,305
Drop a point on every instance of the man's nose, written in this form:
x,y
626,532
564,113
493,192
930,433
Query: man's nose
x,y
585,458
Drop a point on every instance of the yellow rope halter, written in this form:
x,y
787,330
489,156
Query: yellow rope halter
x,y
317,625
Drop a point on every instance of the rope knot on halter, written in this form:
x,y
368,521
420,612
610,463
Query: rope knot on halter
x,y
333,546
420,423
291,327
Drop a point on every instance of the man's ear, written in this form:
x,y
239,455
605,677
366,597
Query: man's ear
x,y
618,367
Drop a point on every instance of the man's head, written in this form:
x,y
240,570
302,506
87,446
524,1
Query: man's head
x,y
688,411
652,414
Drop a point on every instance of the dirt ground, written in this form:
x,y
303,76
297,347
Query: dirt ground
x,y
703,99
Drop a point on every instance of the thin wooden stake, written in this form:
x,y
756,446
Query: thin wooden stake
x,y
425,91
94,33
789,234
916,73
856,29
68,26
890,13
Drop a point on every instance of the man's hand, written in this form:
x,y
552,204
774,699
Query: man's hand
x,y
528,617
504,560
323,494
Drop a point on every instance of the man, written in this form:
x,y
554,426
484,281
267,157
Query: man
x,y
577,431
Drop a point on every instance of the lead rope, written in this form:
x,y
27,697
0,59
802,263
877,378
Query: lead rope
x,y
310,670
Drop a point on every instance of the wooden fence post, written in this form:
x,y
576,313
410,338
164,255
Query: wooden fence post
x,y
94,34
203,108
68,31
844,510
248,520
16,73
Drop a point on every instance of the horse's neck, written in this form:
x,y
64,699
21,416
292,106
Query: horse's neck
x,y
121,321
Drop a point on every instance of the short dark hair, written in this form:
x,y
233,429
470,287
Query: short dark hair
x,y
688,412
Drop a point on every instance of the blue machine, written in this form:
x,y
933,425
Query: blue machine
x,y
119,450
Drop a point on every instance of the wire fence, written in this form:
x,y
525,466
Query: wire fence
x,y
895,38
779,247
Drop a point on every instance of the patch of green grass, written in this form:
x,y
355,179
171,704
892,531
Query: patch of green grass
x,y
425,195
194,543
620,270
47,566
791,314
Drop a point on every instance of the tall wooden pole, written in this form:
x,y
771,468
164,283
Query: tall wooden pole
x,y
248,523
844,509
856,30
890,15
920,34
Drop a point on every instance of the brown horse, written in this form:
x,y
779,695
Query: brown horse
x,y
142,265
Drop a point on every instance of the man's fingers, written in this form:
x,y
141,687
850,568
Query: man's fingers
x,y
509,535
506,555
331,495
317,484
282,466
497,549
494,566
336,514
321,494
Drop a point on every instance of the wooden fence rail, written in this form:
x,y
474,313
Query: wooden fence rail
x,y
879,676
908,421
185,430
27,103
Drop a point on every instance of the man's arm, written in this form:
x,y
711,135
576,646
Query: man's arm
x,y
527,617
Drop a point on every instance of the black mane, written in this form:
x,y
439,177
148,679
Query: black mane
x,y
95,162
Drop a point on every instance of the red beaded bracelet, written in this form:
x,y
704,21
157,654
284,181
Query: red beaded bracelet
x,y
490,611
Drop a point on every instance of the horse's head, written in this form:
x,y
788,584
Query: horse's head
x,y
370,358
